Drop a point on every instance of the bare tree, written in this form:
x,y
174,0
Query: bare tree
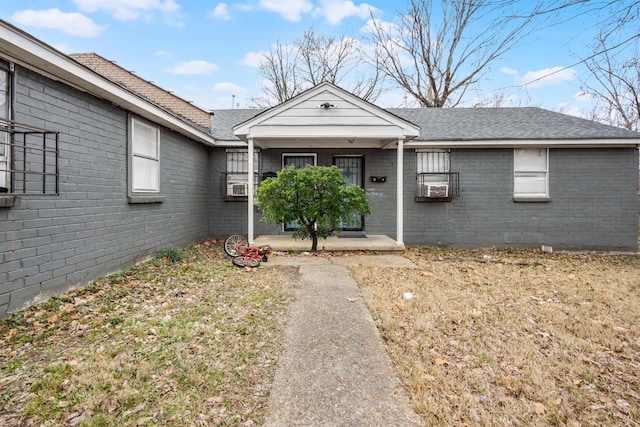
x,y
279,72
615,82
439,49
287,70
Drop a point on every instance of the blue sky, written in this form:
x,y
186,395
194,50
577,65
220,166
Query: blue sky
x,y
205,51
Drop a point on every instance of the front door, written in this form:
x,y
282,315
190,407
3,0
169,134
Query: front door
x,y
353,172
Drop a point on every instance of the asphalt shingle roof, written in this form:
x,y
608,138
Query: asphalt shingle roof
x,y
469,124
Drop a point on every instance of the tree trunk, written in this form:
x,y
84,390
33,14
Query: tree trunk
x,y
314,245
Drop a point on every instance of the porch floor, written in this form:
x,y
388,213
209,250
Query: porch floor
x,y
333,243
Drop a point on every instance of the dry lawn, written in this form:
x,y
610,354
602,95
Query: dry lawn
x,y
191,342
513,338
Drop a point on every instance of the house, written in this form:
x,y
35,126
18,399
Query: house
x,y
100,169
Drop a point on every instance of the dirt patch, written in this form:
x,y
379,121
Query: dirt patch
x,y
513,337
190,342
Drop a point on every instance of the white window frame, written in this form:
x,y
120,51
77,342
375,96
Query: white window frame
x,y
240,176
4,136
526,175
137,153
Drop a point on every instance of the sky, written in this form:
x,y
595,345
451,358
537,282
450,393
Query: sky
x,y
207,51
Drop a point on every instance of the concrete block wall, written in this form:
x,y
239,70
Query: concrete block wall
x,y
51,244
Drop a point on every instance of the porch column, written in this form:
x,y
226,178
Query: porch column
x,y
400,194
250,193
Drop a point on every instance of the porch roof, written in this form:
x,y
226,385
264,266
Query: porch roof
x,y
325,117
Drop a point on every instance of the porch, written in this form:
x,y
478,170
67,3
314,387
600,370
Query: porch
x,y
379,243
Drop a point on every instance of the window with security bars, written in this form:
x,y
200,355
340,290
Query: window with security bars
x,y
4,136
28,154
236,177
433,178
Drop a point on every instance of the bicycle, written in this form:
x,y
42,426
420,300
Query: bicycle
x,y
243,255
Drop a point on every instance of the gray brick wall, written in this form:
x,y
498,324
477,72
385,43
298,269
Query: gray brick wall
x,y
51,244
592,206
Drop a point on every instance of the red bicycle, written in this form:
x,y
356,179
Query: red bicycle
x,y
243,255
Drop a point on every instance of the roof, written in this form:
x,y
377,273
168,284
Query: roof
x,y
465,124
27,51
147,89
224,121
469,124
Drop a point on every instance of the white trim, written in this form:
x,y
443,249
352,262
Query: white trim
x,y
250,192
31,53
546,176
314,155
400,194
512,143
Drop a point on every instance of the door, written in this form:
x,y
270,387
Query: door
x,y
352,172
298,161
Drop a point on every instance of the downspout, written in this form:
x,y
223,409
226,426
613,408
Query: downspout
x,y
250,192
400,194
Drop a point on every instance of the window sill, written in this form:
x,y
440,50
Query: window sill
x,y
531,199
236,199
144,199
7,201
433,199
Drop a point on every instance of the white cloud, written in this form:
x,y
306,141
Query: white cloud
x,y
128,10
582,96
386,26
548,77
229,87
162,54
336,10
221,11
194,67
291,10
73,23
508,71
252,59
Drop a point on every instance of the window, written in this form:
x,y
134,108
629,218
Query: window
x,y
434,178
28,154
236,180
145,158
531,173
4,136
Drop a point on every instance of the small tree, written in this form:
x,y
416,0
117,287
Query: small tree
x,y
315,197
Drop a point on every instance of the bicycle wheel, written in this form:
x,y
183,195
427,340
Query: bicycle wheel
x,y
241,261
232,243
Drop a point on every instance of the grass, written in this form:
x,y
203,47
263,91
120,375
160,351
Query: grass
x,y
185,339
504,338
513,338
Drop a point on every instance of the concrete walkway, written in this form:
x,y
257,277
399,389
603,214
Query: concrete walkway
x,y
335,370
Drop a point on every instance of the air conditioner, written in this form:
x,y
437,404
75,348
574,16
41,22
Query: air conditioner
x,y
436,191
239,190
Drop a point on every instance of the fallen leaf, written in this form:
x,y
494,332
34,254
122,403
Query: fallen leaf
x,y
540,409
441,361
53,319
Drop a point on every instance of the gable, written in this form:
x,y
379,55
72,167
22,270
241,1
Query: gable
x,y
328,116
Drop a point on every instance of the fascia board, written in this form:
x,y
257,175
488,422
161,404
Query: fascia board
x,y
555,143
43,59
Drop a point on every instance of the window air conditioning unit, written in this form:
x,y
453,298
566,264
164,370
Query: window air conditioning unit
x,y
239,190
436,191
